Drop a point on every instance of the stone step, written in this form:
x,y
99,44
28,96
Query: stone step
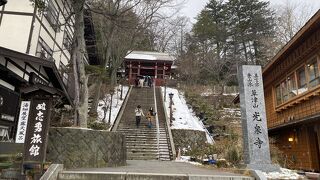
x,y
139,130
143,133
143,158
141,151
141,146
134,128
145,138
145,142
142,154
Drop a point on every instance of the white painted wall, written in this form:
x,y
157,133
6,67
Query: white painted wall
x,y
14,32
19,6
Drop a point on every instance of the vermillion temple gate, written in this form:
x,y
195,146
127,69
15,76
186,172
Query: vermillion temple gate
x,y
154,64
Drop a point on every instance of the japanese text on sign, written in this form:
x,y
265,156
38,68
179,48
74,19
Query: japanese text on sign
x,y
23,121
36,139
253,83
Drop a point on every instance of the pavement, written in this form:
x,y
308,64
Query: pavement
x,y
158,167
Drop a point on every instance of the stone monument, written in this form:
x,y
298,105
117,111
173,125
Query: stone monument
x,y
254,122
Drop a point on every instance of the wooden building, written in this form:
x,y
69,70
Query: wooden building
x,y
143,63
35,54
292,96
21,77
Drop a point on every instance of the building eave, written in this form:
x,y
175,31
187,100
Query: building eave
x,y
290,124
49,66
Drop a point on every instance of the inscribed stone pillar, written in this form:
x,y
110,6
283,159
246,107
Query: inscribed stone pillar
x,y
254,122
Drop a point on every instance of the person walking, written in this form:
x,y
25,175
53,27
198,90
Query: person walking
x,y
141,82
150,117
139,113
149,81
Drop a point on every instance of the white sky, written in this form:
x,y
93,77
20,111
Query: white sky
x,y
193,7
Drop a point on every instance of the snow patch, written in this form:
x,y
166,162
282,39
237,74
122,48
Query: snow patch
x,y
184,117
284,174
116,105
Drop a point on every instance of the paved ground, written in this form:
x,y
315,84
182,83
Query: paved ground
x,y
160,167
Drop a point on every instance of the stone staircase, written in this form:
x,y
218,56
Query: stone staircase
x,y
142,142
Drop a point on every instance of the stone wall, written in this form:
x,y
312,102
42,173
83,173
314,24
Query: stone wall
x,y
83,148
183,138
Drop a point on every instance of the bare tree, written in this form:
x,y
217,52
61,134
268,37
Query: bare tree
x,y
290,18
121,26
169,34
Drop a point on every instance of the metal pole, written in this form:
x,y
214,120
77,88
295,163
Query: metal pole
x,y
110,108
121,92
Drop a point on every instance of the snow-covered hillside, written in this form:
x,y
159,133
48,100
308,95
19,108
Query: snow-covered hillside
x,y
184,118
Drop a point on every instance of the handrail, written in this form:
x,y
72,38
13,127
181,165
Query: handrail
x,y
173,149
119,115
157,120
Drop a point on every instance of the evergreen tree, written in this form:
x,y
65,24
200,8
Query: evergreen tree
x,y
228,34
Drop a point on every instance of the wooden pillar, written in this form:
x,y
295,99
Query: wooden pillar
x,y
130,71
164,70
139,66
156,71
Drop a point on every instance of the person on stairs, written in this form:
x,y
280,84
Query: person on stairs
x,y
150,117
139,113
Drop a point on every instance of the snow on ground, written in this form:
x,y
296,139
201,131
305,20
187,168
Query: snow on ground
x,y
284,174
116,104
184,118
186,159
230,113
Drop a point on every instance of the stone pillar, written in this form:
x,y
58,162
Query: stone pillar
x,y
254,122
139,66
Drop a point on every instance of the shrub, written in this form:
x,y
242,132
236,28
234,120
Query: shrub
x,y
233,156
222,164
98,125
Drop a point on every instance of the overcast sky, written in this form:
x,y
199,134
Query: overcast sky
x,y
193,7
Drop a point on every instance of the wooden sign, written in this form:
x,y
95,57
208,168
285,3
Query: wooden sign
x,y
37,130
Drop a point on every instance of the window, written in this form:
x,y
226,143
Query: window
x,y
51,14
313,73
298,82
43,50
302,83
284,91
292,87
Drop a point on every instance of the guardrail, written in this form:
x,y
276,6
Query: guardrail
x,y
157,120
173,149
